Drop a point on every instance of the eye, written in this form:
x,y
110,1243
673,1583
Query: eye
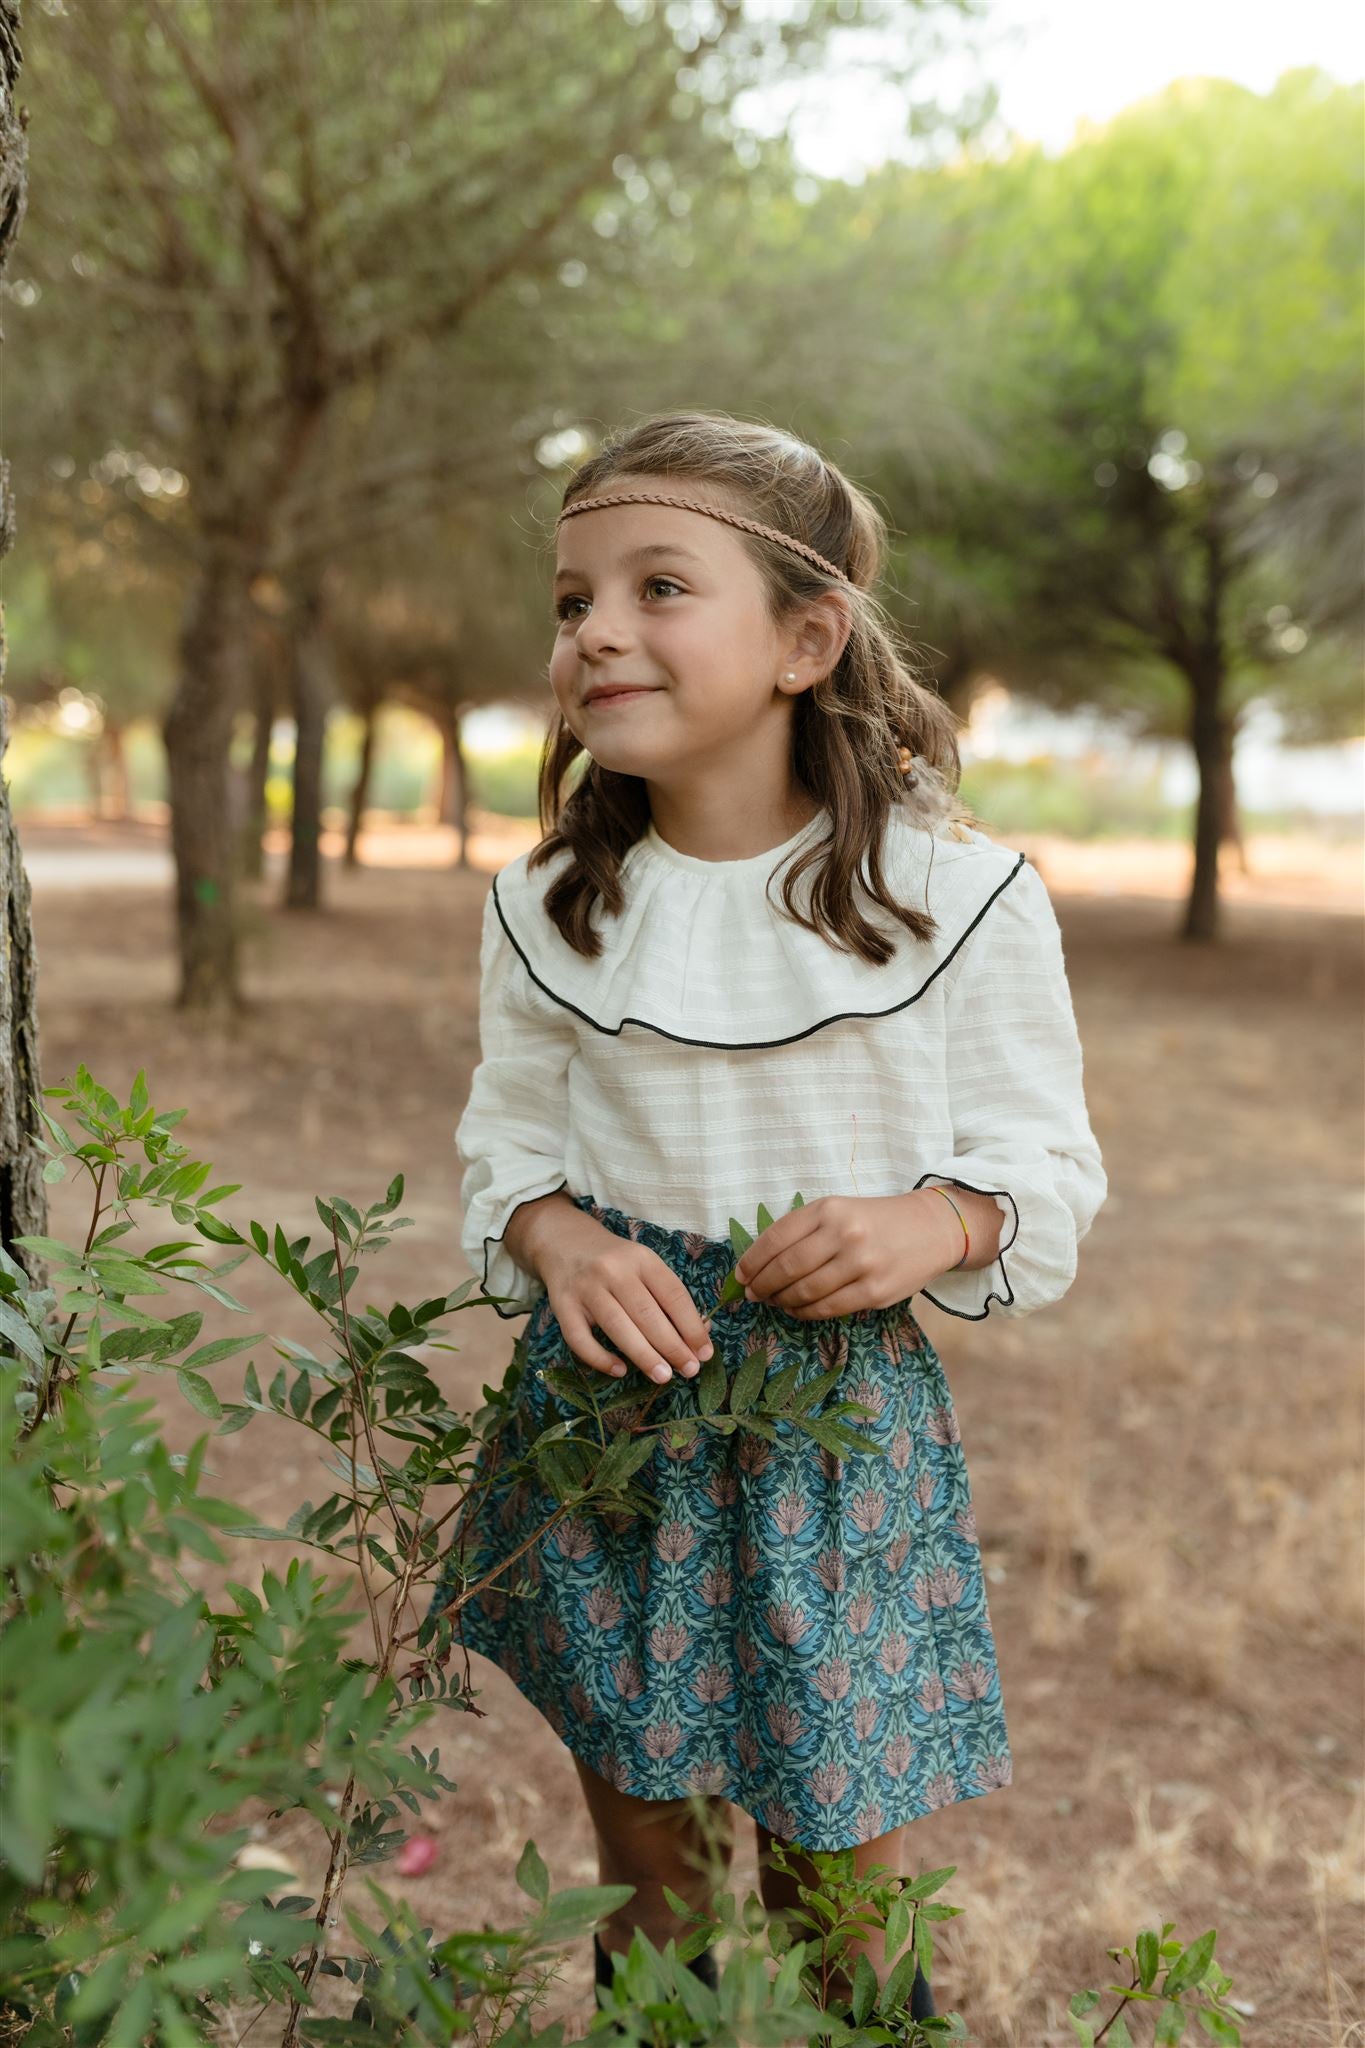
x,y
562,608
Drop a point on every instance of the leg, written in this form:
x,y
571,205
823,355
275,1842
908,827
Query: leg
x,y
778,1890
685,1844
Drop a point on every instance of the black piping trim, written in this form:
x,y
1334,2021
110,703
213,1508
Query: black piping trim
x,y
509,1315
750,1044
1006,1299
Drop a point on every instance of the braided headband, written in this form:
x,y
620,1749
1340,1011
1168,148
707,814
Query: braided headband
x,y
712,512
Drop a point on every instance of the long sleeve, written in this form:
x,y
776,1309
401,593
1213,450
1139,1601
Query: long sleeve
x,y
1020,1127
511,1137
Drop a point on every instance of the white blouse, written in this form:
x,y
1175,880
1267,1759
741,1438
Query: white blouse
x,y
717,1055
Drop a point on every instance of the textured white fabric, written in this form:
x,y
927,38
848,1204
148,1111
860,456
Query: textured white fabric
x,y
717,1056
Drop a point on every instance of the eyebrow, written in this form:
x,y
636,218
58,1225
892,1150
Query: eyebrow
x,y
642,554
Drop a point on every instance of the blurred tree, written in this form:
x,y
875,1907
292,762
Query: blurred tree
x,y
281,213
1164,325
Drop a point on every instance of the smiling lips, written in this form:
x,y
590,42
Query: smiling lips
x,y
618,696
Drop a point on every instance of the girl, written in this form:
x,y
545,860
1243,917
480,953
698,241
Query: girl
x,y
801,1635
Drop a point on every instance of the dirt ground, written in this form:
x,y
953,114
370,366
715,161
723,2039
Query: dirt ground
x,y
1166,1465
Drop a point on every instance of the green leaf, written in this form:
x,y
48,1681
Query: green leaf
x,y
747,1383
21,1334
531,1874
222,1347
1189,1969
710,1384
624,1456
200,1394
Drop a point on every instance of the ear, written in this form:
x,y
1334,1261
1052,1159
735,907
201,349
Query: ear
x,y
822,635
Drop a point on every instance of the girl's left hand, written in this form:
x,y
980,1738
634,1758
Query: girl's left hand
x,y
845,1252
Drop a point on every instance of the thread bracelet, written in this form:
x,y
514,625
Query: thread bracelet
x,y
961,1219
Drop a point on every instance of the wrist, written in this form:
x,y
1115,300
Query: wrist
x,y
941,1228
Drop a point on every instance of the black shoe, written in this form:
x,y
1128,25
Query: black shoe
x,y
922,2005
702,1966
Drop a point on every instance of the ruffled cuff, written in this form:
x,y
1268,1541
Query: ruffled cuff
x,y
487,1215
970,1293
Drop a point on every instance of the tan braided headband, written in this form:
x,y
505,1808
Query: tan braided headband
x,y
712,512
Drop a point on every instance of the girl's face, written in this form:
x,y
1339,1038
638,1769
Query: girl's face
x,y
667,600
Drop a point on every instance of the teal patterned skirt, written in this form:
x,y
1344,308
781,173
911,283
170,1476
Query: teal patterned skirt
x,y
801,1633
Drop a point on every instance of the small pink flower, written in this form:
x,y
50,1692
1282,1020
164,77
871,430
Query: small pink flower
x,y
941,1790
713,1682
661,1739
416,1856
784,1723
866,1712
943,1426
833,1679
994,1773
897,1754
674,1541
861,1610
969,1680
668,1641
894,1654
830,1570
866,1510
829,1783
790,1514
787,1623
717,1586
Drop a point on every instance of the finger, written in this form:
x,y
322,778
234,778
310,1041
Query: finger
x,y
618,1320
812,1287
782,1237
659,1328
686,1317
577,1334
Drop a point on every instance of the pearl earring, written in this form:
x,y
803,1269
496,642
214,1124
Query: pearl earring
x,y
790,676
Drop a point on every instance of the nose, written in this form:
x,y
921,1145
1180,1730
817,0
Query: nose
x,y
602,631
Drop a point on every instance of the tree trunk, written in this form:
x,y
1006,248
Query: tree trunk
x,y
198,732
312,700
115,748
455,795
1212,743
255,819
23,1191
1230,812
360,795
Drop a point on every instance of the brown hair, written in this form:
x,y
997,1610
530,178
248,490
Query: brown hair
x,y
846,728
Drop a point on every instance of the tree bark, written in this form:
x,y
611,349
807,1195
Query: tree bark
x,y
360,794
198,732
313,696
454,808
114,746
254,817
23,1191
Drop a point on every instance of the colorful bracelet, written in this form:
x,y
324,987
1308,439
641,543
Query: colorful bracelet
x,y
961,1219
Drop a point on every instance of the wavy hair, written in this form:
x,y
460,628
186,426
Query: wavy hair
x,y
847,728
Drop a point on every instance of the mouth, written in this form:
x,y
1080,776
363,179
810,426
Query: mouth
x,y
621,696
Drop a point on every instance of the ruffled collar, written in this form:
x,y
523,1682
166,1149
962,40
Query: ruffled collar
x,y
704,952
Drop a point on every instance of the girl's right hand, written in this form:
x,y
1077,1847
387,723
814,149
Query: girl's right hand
x,y
592,1276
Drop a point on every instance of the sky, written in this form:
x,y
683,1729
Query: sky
x,y
1059,62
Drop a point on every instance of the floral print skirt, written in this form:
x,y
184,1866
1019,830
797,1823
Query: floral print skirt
x,y
802,1633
